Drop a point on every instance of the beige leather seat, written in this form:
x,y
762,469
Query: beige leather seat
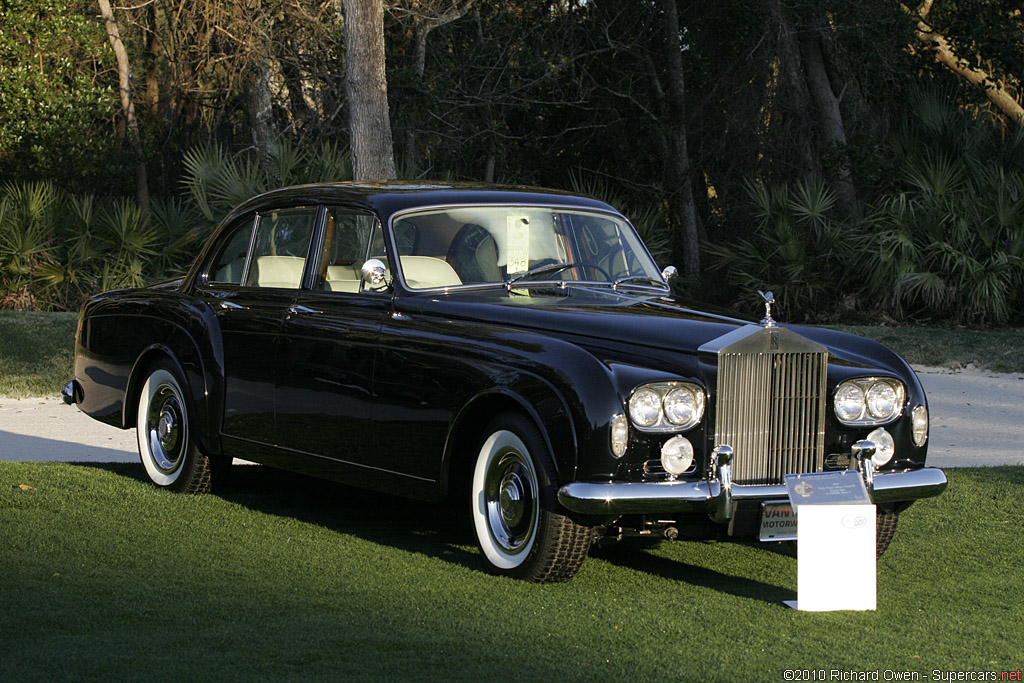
x,y
284,272
343,279
424,272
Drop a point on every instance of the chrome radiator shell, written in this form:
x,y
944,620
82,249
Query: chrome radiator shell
x,y
770,402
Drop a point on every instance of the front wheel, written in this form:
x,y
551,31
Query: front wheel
x,y
885,527
519,525
167,444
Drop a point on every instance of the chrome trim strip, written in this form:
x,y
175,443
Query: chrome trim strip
x,y
624,498
242,439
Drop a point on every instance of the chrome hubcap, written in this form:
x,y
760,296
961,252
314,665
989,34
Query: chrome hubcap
x,y
511,499
510,490
166,428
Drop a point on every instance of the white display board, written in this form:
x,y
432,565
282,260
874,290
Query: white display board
x,y
835,529
835,558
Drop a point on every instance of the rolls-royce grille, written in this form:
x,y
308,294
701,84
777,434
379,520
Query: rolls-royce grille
x,y
771,407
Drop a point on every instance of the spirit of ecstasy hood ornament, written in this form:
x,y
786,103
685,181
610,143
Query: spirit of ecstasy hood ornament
x,y
769,299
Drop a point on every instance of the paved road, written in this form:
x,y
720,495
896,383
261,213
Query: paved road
x,y
977,418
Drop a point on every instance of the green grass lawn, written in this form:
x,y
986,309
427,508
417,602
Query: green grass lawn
x,y
36,352
103,577
999,350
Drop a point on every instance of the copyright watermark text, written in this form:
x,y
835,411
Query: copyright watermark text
x,y
815,675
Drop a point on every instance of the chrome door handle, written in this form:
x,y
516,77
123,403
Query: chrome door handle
x,y
299,308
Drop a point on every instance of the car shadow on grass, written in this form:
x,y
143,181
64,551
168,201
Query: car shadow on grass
x,y
441,531
638,556
431,529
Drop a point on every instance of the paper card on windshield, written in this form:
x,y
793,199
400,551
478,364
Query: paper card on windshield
x,y
518,244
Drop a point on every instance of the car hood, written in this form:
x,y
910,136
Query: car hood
x,y
601,317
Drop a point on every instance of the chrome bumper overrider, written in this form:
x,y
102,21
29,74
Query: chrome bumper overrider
x,y
71,392
622,498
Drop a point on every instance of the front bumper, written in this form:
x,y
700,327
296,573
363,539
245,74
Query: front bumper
x,y
715,497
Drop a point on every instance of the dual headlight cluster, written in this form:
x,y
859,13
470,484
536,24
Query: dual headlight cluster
x,y
663,407
869,401
666,406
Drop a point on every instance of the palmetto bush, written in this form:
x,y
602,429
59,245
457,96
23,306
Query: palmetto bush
x,y
946,244
56,249
794,248
949,244
218,181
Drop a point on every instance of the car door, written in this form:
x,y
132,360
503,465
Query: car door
x,y
328,341
250,284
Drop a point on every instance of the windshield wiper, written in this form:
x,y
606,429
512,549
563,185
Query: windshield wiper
x,y
639,278
549,267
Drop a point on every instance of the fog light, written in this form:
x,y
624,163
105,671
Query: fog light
x,y
920,418
620,435
677,455
885,447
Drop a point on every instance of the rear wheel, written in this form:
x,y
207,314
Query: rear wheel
x,y
167,444
519,525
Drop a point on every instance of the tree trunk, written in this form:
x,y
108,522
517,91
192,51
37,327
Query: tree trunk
x,y
422,27
830,118
127,103
795,101
679,154
367,91
260,107
944,55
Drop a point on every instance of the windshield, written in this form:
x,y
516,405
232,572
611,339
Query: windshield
x,y
517,245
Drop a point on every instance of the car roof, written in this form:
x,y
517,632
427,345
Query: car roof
x,y
391,197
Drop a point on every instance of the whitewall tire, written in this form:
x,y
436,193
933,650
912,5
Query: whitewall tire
x,y
166,441
519,525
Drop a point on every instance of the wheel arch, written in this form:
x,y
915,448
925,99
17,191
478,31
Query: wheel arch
x,y
189,368
537,402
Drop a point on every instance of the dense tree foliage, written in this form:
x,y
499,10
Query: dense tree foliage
x,y
779,135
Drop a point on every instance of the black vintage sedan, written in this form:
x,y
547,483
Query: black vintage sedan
x,y
517,350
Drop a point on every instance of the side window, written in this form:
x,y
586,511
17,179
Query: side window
x,y
280,247
229,266
349,240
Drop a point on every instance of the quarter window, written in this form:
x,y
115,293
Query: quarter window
x,y
229,266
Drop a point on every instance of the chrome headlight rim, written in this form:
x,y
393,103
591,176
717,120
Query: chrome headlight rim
x,y
861,401
671,394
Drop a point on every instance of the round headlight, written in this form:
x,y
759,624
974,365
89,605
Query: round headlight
x,y
681,407
677,455
620,435
849,402
645,407
882,401
920,421
885,447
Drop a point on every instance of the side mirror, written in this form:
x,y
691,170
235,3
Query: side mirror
x,y
374,272
670,273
